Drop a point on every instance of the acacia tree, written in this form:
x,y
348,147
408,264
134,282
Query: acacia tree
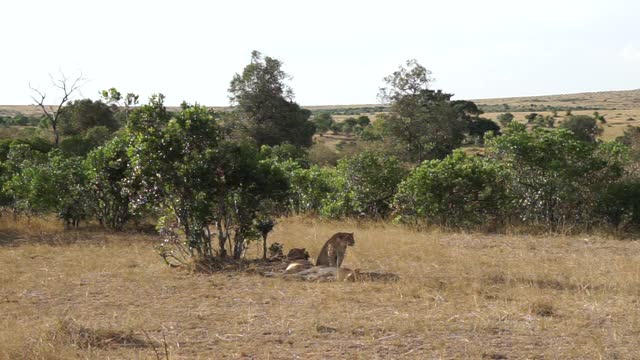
x,y
265,104
67,87
123,104
422,123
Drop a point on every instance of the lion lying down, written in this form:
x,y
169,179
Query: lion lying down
x,y
304,270
323,273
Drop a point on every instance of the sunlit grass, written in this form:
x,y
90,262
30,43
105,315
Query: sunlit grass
x,y
461,295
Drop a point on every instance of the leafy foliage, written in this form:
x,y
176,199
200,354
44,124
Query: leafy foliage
x,y
200,178
458,191
265,106
556,177
480,126
111,185
505,119
323,122
364,185
46,183
584,127
81,115
422,123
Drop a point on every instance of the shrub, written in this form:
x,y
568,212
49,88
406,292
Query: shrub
x,y
364,186
111,184
619,204
584,128
41,184
458,191
555,178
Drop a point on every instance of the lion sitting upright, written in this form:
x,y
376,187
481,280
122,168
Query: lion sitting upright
x,y
333,251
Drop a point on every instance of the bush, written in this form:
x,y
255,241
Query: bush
x,y
41,184
81,115
111,184
364,186
458,191
555,178
619,204
201,179
309,188
584,128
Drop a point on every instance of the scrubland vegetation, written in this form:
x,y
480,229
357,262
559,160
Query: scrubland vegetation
x,y
132,230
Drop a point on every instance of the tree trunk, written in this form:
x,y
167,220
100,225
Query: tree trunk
x,y
264,246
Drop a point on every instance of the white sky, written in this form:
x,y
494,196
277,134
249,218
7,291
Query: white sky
x,y
337,51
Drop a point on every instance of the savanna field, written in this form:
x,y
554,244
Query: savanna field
x,y
173,202
94,295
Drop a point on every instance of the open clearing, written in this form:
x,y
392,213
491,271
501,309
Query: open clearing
x,y
88,294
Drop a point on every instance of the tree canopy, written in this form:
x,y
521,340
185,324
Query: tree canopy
x,y
265,106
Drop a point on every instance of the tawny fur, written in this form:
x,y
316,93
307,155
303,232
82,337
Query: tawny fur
x,y
298,254
334,250
297,266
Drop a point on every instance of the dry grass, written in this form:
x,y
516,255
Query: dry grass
x,y
625,99
617,120
102,295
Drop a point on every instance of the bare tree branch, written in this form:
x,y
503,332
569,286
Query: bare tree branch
x,y
67,89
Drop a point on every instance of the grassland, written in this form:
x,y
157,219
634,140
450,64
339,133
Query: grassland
x,y
604,100
90,294
621,109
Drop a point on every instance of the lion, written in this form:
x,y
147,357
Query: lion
x,y
333,251
298,254
297,266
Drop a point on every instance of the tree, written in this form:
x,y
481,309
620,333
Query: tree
x,y
531,117
200,179
82,115
584,127
323,122
68,88
265,104
505,119
122,103
480,126
349,124
422,123
409,80
363,121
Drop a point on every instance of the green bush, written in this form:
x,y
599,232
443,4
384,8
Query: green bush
x,y
619,204
555,177
364,185
458,191
584,128
113,189
40,184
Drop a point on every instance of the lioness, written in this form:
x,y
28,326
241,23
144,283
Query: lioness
x,y
333,251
